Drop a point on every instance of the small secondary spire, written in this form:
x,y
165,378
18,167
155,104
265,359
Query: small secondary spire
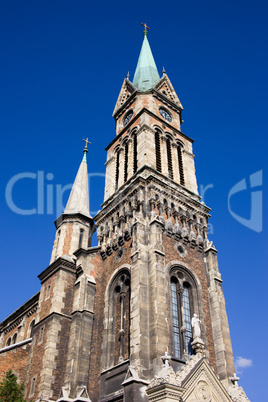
x,y
78,201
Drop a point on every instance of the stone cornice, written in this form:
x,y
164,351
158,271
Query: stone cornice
x,y
15,318
72,217
60,263
163,391
188,153
106,370
135,118
157,182
110,160
89,250
49,316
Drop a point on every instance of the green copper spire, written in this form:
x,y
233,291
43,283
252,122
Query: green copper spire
x,y
146,74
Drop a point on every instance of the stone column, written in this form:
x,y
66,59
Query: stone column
x,y
121,167
189,170
159,329
110,178
176,170
130,159
219,320
163,147
139,303
80,335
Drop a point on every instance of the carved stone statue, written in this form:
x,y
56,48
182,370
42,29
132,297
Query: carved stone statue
x,y
196,327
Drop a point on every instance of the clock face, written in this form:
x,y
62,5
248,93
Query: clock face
x,y
128,117
164,113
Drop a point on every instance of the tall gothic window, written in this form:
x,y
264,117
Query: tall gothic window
x,y
30,331
135,156
117,170
182,311
81,234
182,181
126,162
14,339
158,151
122,318
116,335
169,159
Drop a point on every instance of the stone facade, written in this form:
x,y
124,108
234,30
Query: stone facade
x,y
113,322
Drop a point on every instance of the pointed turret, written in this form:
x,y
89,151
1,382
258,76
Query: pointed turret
x,y
75,226
78,201
146,74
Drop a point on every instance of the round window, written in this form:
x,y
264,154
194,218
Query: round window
x,y
165,114
128,117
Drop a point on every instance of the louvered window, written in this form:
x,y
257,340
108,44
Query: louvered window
x,y
158,151
135,160
117,171
182,181
126,162
169,159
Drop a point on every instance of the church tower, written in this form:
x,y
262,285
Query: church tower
x,y
140,317
159,268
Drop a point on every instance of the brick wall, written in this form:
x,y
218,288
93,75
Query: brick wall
x,y
103,274
16,360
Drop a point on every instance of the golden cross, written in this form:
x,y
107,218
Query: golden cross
x,y
145,26
86,141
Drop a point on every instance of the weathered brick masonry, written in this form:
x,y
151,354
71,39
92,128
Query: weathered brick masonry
x,y
104,272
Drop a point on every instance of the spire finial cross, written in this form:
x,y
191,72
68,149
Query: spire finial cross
x,y
145,26
87,142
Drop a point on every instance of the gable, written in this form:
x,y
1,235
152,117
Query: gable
x,y
165,87
125,92
202,384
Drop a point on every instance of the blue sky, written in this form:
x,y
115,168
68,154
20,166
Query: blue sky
x,y
63,64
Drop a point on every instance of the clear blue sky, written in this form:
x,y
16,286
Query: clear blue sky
x,y
63,64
